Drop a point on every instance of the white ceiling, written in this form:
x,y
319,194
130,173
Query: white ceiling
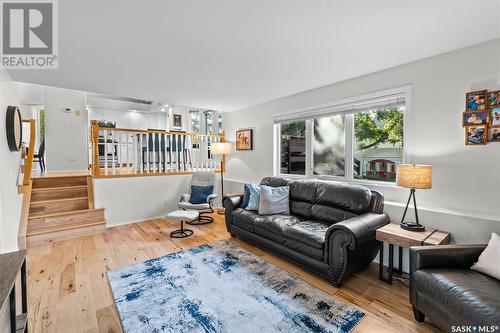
x,y
226,55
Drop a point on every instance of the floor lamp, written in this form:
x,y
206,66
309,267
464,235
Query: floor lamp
x,y
413,176
223,149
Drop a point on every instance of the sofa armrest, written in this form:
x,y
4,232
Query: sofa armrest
x,y
444,256
360,229
230,203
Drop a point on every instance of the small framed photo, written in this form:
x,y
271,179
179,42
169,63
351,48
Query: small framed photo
x,y
495,117
476,135
494,98
494,135
244,139
476,100
177,121
476,118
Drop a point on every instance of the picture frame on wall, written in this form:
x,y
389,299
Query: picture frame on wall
x,y
476,135
494,98
244,139
177,120
475,118
476,100
494,134
495,117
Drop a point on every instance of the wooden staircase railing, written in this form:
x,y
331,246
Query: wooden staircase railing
x,y
28,165
123,152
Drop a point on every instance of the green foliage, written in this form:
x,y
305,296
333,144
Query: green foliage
x,y
377,127
41,122
297,128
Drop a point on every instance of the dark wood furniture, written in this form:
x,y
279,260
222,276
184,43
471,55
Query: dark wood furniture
x,y
11,264
393,234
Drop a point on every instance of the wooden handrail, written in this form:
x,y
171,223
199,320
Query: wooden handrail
x,y
31,151
117,129
160,159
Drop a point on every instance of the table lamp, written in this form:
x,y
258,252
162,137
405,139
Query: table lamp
x,y
413,176
221,148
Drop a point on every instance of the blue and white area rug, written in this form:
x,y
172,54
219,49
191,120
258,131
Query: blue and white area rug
x,y
220,287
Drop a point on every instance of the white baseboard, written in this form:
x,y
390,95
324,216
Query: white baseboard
x,y
116,224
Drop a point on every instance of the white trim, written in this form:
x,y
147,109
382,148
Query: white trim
x,y
342,106
145,219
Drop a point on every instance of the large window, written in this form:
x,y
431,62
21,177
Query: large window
x,y
359,139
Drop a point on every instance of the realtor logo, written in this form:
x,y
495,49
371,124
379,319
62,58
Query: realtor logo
x,y
29,34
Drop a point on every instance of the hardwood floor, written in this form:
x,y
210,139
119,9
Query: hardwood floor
x,y
68,289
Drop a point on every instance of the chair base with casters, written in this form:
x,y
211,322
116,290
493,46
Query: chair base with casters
x,y
203,218
203,209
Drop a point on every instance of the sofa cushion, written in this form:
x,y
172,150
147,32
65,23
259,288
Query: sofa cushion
x,y
330,215
465,293
244,218
311,233
353,198
276,224
328,201
296,234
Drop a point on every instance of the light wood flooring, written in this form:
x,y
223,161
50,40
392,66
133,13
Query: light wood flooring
x,y
68,289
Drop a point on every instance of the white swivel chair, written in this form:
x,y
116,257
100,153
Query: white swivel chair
x,y
200,179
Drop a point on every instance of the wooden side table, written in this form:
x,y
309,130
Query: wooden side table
x,y
393,234
11,265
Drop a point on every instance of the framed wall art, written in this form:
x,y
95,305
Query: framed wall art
x,y
244,139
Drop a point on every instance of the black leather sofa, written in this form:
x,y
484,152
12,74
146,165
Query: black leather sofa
x,y
330,229
448,292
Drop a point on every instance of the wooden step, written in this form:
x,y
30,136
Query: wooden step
x,y
59,233
51,182
58,205
63,192
80,217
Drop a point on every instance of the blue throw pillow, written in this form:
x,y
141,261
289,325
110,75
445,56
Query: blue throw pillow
x,y
199,194
246,196
253,201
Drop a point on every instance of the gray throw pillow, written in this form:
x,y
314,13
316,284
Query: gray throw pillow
x,y
274,200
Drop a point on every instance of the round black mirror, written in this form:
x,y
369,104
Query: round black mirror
x,y
14,128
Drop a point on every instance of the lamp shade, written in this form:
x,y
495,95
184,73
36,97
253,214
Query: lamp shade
x,y
220,148
414,176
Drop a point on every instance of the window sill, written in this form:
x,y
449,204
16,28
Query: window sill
x,y
368,183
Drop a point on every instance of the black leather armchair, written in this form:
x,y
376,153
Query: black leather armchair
x,y
448,292
330,229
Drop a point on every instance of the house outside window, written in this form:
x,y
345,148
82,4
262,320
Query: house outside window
x,y
361,139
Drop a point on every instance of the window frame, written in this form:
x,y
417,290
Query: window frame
x,y
349,139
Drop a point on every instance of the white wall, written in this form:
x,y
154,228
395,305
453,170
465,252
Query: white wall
x,y
131,119
464,198
66,133
10,200
134,199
